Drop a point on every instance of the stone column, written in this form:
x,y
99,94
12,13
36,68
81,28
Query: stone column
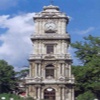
x,y
63,27
42,94
39,69
63,69
59,70
41,46
43,27
55,74
66,93
38,47
30,71
34,52
61,47
69,95
36,92
44,73
63,93
39,93
58,47
72,93
55,49
35,70
65,46
59,96
60,26
66,50
69,70
44,49
39,27
60,93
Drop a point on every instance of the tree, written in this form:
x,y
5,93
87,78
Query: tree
x,y
22,74
87,51
88,74
86,96
7,77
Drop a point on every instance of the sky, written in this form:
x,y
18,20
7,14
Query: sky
x,y
16,25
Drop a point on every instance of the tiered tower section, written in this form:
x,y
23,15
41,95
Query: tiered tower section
x,y
50,65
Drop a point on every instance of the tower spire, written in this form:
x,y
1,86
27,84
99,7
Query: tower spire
x,y
52,2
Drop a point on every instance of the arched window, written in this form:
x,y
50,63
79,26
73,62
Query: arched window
x,y
49,94
50,71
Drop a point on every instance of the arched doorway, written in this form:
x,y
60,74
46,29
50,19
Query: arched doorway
x,y
49,94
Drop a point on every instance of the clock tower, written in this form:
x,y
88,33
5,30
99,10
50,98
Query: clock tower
x,y
50,65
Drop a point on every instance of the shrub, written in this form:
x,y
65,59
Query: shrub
x,y
86,96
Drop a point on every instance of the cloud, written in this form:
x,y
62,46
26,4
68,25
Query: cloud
x,y
84,31
4,4
16,46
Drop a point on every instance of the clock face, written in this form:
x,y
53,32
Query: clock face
x,y
50,26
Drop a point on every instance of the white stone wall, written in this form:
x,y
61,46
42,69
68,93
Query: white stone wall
x,y
60,25
60,46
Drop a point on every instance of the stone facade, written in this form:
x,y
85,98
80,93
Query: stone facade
x,y
50,72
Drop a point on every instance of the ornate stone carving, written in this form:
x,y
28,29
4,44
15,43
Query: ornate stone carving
x,y
61,78
37,78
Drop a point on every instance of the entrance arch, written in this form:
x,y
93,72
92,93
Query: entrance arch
x,y
50,94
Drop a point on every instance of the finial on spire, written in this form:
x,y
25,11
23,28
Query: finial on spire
x,y
52,2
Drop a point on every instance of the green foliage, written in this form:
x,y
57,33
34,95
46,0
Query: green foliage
x,y
7,77
22,73
88,74
16,97
8,96
86,96
29,98
87,50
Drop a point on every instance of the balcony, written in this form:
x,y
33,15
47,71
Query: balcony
x,y
32,80
50,56
50,36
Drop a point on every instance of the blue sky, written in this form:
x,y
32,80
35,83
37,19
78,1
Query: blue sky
x,y
16,25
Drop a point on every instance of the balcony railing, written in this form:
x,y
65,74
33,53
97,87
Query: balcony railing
x,y
50,36
50,56
34,80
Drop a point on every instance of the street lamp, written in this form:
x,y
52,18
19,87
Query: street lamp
x,y
95,99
